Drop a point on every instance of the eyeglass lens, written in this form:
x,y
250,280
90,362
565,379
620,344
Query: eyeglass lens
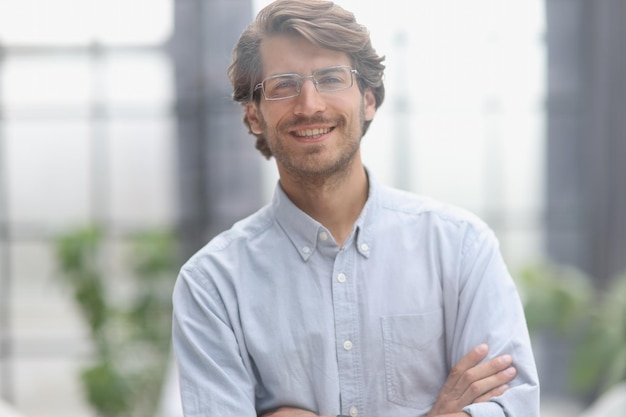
x,y
325,80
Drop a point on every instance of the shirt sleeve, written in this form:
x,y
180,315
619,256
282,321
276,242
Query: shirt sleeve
x,y
490,311
488,409
214,380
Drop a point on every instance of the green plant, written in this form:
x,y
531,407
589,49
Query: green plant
x,y
563,300
600,357
131,334
555,297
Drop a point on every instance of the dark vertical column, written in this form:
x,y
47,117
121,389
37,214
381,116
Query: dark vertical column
x,y
605,146
218,164
586,148
586,152
566,130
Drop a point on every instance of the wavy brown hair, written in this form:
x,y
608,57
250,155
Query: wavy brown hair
x,y
320,22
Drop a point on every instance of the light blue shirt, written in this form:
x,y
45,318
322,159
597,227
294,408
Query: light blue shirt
x,y
273,313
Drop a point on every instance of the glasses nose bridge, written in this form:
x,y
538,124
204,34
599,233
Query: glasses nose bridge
x,y
303,78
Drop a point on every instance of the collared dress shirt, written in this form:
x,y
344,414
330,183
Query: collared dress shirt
x,y
274,313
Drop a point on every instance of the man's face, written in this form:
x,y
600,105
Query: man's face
x,y
314,134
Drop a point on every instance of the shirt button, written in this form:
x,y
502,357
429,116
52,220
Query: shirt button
x,y
365,247
347,345
306,249
323,236
342,277
353,411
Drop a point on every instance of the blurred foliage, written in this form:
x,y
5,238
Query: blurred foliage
x,y
564,301
130,332
556,297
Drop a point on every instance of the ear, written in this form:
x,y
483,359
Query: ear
x,y
252,115
369,104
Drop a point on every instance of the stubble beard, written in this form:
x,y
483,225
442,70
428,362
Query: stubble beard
x,y
313,167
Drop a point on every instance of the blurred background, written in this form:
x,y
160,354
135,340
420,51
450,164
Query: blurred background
x,y
121,154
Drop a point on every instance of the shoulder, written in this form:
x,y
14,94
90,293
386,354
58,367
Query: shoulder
x,y
424,216
229,243
416,205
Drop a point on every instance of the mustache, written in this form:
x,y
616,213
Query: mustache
x,y
319,119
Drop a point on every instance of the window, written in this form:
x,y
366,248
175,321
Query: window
x,y
86,134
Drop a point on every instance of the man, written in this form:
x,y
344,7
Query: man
x,y
342,296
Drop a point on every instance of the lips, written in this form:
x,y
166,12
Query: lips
x,y
312,133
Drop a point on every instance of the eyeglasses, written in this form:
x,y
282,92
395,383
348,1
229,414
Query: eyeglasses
x,y
325,80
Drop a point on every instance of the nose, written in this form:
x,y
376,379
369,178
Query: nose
x,y
310,100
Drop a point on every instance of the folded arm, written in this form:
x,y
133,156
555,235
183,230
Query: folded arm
x,y
469,382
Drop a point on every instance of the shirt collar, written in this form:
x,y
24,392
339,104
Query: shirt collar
x,y
307,233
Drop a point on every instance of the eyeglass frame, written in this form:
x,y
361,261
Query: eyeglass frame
x,y
301,79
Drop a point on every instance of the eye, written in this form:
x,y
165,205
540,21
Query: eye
x,y
331,78
282,83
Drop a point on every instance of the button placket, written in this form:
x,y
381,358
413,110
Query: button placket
x,y
345,308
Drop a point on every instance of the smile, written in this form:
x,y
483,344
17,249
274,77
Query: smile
x,y
311,133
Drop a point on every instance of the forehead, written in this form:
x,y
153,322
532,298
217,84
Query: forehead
x,y
282,54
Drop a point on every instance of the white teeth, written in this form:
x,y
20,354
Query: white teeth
x,y
312,132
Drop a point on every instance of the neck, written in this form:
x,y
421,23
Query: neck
x,y
335,202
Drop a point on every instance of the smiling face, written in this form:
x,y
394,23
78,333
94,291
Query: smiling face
x,y
313,135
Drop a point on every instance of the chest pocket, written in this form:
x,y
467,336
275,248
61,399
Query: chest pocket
x,y
415,366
